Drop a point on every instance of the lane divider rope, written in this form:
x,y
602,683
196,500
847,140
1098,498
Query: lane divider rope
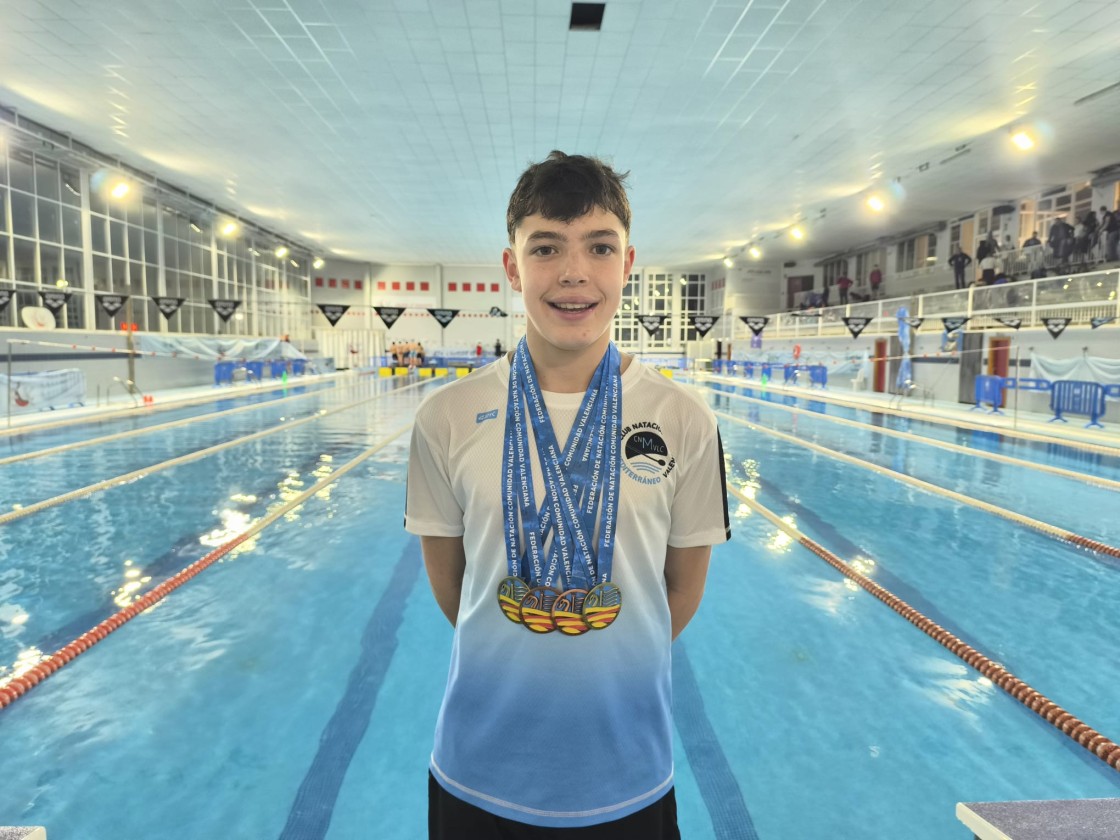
x,y
1044,527
21,512
1088,478
18,686
162,427
924,416
1099,745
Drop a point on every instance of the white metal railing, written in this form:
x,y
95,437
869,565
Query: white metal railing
x,y
1079,296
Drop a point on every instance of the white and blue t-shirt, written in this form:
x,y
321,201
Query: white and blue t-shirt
x,y
556,730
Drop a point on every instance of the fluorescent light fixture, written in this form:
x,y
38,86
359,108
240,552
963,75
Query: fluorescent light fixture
x,y
684,281
876,203
119,190
1022,140
254,252
229,228
755,252
318,263
294,263
281,252
195,227
797,232
727,261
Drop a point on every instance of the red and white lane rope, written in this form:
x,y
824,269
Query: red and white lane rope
x,y
18,686
987,507
22,511
1099,745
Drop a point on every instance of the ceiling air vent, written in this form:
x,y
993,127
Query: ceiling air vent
x,y
587,17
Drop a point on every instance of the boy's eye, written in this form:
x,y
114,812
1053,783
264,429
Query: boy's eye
x,y
602,250
544,250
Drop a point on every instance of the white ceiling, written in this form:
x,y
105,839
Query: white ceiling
x,y
394,131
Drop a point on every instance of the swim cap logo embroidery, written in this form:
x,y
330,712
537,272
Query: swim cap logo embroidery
x,y
646,456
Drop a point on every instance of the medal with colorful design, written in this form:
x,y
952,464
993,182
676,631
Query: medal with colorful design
x,y
559,581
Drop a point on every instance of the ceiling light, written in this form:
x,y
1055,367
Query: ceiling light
x,y
254,252
119,190
1023,140
229,228
318,263
294,263
62,284
684,280
797,232
195,227
876,203
281,252
755,252
727,261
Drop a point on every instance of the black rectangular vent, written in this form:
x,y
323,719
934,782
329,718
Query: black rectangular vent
x,y
587,17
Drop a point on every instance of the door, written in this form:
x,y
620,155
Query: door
x,y
970,345
999,358
879,365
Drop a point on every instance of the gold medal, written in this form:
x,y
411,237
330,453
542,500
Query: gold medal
x,y
511,591
567,612
602,605
536,609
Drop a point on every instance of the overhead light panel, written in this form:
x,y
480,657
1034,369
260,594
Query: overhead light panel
x,y
318,263
1022,140
119,189
195,227
730,263
294,263
755,252
281,252
797,232
229,228
876,203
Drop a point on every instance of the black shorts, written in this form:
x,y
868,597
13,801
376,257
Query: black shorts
x,y
450,818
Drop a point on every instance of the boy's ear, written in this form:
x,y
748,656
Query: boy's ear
x,y
509,263
630,254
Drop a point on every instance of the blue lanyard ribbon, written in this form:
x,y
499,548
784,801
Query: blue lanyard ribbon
x,y
577,483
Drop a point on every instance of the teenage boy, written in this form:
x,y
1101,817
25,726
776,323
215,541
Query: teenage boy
x,y
567,498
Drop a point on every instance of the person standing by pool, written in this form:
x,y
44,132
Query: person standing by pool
x,y
569,564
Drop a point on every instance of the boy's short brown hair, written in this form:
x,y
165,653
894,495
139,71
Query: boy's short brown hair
x,y
564,187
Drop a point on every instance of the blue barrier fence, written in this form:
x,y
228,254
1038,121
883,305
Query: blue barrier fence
x,y
1074,397
989,389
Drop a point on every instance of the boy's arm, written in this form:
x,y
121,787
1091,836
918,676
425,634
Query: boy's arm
x,y
686,570
445,562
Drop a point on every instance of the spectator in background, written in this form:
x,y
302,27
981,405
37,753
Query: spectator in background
x,y
1033,252
988,270
843,283
1033,240
1060,240
498,348
987,246
824,293
1110,228
959,260
875,278
478,351
419,354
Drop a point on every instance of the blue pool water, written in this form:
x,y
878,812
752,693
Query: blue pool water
x,y
290,691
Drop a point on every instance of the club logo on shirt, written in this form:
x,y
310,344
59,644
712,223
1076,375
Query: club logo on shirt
x,y
486,415
645,455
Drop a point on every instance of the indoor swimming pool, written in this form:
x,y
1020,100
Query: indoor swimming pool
x,y
290,689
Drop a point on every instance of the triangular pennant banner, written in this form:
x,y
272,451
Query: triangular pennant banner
x,y
224,307
333,311
55,301
856,325
497,313
444,316
1055,326
757,323
703,323
111,304
652,323
914,322
1014,323
5,298
168,305
955,323
388,315
1096,322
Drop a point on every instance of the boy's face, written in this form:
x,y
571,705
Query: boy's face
x,y
570,275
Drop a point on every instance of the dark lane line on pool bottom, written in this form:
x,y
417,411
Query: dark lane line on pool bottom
x,y
719,788
310,814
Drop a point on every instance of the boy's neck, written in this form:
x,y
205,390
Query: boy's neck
x,y
567,372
